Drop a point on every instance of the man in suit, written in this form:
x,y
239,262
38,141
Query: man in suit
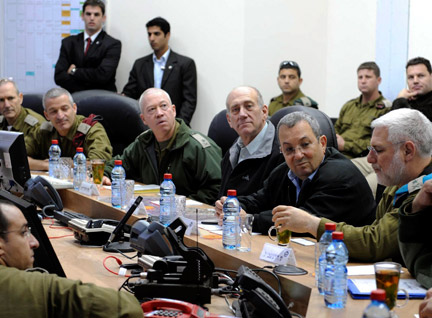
x,y
174,73
89,60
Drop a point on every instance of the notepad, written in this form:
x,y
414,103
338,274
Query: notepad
x,y
361,288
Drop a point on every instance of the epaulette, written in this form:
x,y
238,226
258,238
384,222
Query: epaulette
x,y
306,101
84,128
201,139
47,126
383,104
31,120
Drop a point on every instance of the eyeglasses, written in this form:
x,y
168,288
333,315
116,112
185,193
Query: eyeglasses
x,y
290,151
288,63
373,150
377,152
25,233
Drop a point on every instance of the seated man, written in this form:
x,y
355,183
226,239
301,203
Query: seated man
x,y
353,129
14,117
415,219
71,131
289,81
313,178
35,294
171,146
256,152
400,152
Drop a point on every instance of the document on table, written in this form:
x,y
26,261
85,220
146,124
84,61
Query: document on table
x,y
361,288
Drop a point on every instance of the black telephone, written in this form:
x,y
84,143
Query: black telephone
x,y
257,298
41,192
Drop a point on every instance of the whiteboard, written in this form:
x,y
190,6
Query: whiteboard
x,y
32,31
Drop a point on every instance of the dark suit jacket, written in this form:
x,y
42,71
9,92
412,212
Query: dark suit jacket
x,y
96,70
179,81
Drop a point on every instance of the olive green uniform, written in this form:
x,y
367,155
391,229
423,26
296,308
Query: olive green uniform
x,y
301,99
27,122
354,123
42,295
96,143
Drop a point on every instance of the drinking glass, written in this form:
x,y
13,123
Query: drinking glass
x,y
98,166
246,222
282,237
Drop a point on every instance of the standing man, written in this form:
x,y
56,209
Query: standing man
x,y
418,95
71,131
13,116
289,81
256,152
170,146
400,152
353,129
174,73
89,60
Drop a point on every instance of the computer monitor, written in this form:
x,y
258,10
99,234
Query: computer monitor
x,y
14,167
45,256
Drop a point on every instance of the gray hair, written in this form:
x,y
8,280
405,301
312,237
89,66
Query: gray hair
x,y
292,119
54,93
4,81
407,125
152,90
260,100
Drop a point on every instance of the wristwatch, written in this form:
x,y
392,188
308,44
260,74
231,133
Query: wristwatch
x,y
72,71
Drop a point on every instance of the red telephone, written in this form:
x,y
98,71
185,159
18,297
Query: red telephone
x,y
175,308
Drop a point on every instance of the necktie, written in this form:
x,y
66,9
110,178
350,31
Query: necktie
x,y
88,46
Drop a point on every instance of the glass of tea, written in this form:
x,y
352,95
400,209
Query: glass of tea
x,y
282,237
387,275
98,166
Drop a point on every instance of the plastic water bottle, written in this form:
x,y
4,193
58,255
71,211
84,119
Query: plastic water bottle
x,y
335,281
377,308
118,176
80,168
231,221
320,256
54,153
167,200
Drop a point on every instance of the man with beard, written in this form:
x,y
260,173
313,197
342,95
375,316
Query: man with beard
x,y
400,152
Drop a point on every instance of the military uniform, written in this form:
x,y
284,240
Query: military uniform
x,y
301,99
354,123
378,241
193,159
96,143
40,295
27,122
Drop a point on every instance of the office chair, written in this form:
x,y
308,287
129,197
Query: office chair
x,y
324,121
121,115
34,102
221,133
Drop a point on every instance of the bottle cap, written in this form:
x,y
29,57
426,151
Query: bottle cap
x,y
337,235
378,294
54,142
118,162
232,193
79,149
330,226
167,176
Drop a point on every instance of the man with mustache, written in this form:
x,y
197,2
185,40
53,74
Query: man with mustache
x,y
170,146
26,292
418,95
400,152
71,131
289,81
174,73
314,178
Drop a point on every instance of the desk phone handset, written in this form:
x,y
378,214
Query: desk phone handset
x,y
258,299
41,192
174,308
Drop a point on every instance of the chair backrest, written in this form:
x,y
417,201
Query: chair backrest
x,y
324,121
121,115
220,131
34,102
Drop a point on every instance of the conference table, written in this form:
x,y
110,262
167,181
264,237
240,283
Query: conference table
x,y
299,292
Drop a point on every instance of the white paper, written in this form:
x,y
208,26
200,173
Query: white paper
x,y
361,270
302,241
410,285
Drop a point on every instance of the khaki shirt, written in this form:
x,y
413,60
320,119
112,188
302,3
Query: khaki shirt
x,y
301,99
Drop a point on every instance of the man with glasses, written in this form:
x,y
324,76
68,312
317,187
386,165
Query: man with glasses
x,y
313,178
400,153
289,81
13,116
170,146
36,294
